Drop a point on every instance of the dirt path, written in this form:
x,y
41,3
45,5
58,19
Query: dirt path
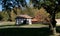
x,y
58,22
7,23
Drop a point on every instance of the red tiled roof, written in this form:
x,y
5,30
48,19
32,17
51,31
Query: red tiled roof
x,y
34,19
24,16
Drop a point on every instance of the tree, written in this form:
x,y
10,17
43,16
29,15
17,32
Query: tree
x,y
52,7
41,15
9,5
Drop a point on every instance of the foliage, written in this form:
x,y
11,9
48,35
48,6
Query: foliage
x,y
4,15
41,15
58,15
1,17
28,9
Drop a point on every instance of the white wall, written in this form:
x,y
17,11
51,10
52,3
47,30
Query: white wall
x,y
29,21
20,21
17,21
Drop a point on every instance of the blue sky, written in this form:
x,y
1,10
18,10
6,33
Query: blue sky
x,y
0,5
27,1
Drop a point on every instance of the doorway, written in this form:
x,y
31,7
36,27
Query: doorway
x,y
25,22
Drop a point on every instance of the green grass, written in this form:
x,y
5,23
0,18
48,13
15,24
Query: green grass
x,y
33,25
22,26
12,24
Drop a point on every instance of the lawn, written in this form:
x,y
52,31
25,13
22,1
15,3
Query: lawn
x,y
22,26
44,31
12,25
26,30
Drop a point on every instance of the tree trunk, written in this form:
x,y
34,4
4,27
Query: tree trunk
x,y
54,31
53,24
52,27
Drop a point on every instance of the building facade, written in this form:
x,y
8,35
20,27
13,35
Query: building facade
x,y
23,19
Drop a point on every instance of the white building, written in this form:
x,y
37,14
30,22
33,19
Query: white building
x,y
23,19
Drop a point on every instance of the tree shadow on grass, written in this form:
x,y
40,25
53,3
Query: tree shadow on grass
x,y
44,31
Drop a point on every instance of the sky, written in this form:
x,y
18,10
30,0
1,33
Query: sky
x,y
27,1
1,4
0,7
